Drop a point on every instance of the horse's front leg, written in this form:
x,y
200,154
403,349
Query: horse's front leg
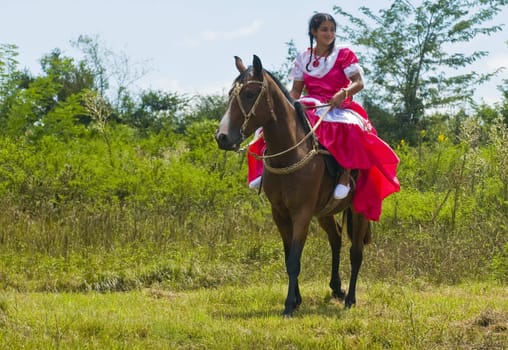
x,y
294,298
333,231
300,228
284,224
294,241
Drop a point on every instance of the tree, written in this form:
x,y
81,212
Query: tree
x,y
157,110
209,107
73,77
114,72
96,59
29,106
11,79
8,67
504,104
46,104
408,59
283,73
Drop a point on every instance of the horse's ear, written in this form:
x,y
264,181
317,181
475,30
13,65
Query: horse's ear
x,y
258,66
239,64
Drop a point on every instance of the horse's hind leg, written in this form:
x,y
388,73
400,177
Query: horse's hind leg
x,y
331,227
359,227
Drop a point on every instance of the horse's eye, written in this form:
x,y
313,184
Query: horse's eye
x,y
250,95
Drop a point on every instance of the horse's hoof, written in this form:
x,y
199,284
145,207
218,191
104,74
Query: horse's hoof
x,y
298,303
349,302
340,295
287,314
290,310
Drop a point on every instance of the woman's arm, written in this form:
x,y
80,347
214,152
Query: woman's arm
x,y
296,89
355,86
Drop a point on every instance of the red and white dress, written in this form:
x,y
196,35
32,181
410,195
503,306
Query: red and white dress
x,y
346,131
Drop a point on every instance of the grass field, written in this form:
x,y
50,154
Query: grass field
x,y
387,316
117,285
220,293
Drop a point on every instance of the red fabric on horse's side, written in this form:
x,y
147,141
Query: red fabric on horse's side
x,y
255,166
355,148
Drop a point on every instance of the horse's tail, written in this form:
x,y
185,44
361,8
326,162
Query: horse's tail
x,y
368,235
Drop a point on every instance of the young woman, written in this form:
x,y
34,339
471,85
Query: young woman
x,y
332,75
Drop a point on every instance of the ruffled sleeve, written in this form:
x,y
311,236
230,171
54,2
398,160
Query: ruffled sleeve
x,y
298,67
349,62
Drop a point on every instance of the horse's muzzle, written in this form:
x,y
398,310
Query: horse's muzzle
x,y
226,143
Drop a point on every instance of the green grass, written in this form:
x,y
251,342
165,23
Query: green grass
x,y
388,316
149,282
395,256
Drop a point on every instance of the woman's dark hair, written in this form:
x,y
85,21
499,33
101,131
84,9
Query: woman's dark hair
x,y
314,24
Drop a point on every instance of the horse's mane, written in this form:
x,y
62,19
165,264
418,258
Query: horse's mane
x,y
297,105
281,86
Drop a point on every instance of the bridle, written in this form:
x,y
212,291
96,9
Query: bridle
x,y
235,95
252,112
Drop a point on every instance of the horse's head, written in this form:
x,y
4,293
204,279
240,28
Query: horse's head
x,y
247,110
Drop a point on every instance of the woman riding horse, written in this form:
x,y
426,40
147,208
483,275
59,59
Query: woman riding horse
x,y
332,75
295,180
295,176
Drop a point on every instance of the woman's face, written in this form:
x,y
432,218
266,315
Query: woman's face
x,y
325,34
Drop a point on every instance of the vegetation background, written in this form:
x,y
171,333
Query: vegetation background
x,y
106,190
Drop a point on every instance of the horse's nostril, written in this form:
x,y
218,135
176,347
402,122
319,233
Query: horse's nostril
x,y
221,138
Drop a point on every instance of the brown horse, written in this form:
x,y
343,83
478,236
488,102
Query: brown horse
x,y
295,178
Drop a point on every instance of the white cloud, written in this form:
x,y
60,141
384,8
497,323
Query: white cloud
x,y
175,85
212,88
216,35
154,82
497,60
191,43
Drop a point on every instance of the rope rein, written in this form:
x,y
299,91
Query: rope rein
x,y
309,134
302,162
293,167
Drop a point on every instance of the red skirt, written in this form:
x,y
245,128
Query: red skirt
x,y
357,146
354,146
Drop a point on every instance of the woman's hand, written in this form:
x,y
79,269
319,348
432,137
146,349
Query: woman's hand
x,y
339,97
356,84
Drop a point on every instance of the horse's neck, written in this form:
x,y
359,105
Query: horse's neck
x,y
285,130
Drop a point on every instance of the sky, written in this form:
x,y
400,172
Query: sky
x,y
188,46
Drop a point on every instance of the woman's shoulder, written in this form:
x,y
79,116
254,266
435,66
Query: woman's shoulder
x,y
303,57
343,50
304,53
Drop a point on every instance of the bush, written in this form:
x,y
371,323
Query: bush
x,y
500,264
